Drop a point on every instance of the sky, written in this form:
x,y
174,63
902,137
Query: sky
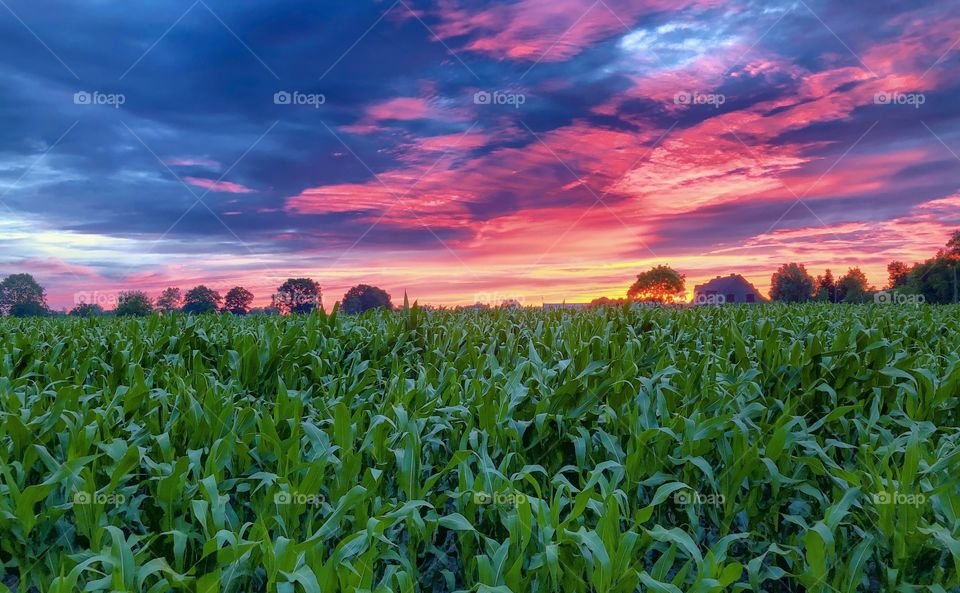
x,y
467,151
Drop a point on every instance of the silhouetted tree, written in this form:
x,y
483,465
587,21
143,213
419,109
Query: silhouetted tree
x,y
606,302
853,287
29,309
87,310
201,299
171,299
363,297
133,303
298,295
238,300
936,279
898,273
953,245
792,284
21,289
826,287
661,284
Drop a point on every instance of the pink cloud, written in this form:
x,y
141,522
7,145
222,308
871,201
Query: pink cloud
x,y
218,186
727,157
449,142
403,108
548,238
53,266
923,43
533,30
912,237
406,109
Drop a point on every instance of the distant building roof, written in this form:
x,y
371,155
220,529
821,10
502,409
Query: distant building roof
x,y
734,285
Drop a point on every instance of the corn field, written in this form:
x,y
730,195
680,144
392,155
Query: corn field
x,y
808,448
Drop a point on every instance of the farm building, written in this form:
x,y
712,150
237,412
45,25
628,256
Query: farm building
x,y
727,289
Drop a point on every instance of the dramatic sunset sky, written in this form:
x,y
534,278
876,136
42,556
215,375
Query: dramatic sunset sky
x,y
468,150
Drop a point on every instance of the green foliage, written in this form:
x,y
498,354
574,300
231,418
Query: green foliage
x,y
937,279
23,290
792,284
238,301
298,295
87,310
362,298
134,304
953,245
29,309
170,299
898,273
809,448
201,299
826,288
853,287
661,284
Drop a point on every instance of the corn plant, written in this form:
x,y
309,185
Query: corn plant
x,y
810,448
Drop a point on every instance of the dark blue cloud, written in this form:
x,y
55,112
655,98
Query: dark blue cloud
x,y
199,84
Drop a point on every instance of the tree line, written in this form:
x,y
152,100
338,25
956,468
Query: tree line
x,y
935,279
22,296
